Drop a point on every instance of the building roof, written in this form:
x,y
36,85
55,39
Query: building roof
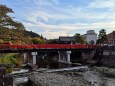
x,y
66,38
91,32
111,35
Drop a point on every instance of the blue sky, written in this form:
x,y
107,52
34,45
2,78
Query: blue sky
x,y
54,18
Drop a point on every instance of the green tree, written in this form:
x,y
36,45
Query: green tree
x,y
52,41
37,40
102,37
79,38
7,21
92,42
42,37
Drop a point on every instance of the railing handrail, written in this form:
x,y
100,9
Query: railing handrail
x,y
48,46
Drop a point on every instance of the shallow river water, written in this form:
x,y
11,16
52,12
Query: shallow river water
x,y
97,79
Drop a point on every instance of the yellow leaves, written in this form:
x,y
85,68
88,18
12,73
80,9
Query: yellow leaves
x,y
8,21
7,59
37,40
1,41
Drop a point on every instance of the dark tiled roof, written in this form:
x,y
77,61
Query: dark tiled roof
x,y
66,38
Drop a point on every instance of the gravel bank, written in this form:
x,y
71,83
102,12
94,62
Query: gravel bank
x,y
96,76
57,79
106,71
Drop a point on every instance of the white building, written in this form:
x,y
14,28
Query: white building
x,y
90,36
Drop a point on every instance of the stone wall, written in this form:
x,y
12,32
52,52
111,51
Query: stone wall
x,y
89,55
108,58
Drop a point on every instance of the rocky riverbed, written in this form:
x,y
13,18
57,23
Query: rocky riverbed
x,y
94,76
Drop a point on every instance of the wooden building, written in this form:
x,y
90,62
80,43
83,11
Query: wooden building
x,y
111,38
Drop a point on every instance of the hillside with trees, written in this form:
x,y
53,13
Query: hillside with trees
x,y
16,36
14,31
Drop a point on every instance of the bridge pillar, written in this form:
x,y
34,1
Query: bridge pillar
x,y
68,56
64,56
59,59
25,57
34,54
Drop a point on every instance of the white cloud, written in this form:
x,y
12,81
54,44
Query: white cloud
x,y
49,34
37,16
102,4
68,13
54,31
55,1
44,2
53,35
70,26
50,27
50,19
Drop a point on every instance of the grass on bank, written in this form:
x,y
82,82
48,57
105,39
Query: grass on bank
x,y
9,58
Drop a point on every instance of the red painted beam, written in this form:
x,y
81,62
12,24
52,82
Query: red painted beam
x,y
48,46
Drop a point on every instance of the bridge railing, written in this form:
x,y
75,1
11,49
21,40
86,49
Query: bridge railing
x,y
48,46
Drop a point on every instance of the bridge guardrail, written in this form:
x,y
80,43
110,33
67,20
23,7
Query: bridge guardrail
x,y
48,46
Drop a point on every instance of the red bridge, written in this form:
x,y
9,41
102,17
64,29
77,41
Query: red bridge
x,y
64,51
38,47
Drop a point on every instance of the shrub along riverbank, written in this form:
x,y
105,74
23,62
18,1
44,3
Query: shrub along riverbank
x,y
9,58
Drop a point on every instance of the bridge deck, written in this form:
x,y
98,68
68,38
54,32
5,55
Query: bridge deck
x,y
44,47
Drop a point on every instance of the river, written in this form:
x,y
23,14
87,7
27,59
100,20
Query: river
x,y
90,76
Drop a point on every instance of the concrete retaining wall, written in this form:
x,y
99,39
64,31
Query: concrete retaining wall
x,y
88,55
108,58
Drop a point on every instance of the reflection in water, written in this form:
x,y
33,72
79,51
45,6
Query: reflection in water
x,y
20,80
92,77
111,82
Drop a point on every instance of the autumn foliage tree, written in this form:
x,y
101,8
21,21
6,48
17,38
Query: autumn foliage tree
x,y
37,40
14,31
7,21
9,28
